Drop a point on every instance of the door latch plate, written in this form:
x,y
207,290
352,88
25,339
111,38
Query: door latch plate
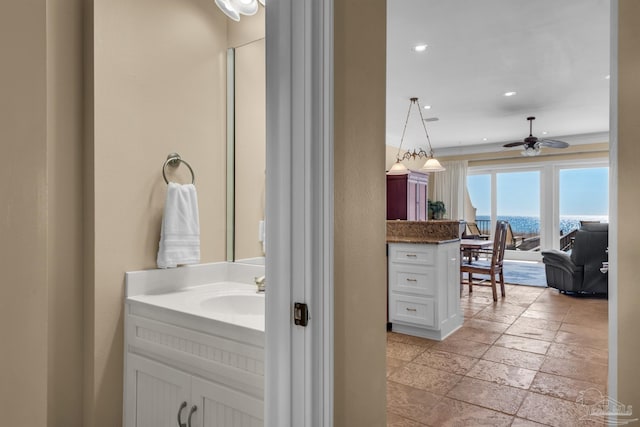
x,y
300,314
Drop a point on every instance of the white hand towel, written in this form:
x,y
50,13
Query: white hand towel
x,y
180,234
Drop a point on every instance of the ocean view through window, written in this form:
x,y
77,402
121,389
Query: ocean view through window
x,y
582,195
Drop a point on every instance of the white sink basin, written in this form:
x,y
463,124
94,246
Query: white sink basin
x,y
238,304
229,302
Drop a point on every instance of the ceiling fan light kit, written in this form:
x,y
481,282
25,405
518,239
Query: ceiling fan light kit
x,y
531,144
530,151
431,165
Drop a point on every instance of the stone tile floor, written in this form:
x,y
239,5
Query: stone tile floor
x,y
520,362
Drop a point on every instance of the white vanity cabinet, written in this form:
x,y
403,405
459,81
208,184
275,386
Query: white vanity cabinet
x,y
163,396
192,369
424,288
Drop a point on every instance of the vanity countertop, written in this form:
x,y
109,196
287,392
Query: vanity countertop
x,y
430,232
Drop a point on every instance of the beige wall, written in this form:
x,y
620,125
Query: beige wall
x,y
64,198
249,29
359,195
23,225
158,87
40,189
250,147
628,204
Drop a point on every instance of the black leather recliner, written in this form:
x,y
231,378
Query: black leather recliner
x,y
580,271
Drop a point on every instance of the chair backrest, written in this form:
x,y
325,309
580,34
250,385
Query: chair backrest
x,y
473,229
499,242
510,239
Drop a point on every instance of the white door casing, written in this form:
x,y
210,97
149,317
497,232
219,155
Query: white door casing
x,y
299,213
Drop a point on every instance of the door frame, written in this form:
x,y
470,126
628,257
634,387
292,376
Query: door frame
x,y
299,64
299,213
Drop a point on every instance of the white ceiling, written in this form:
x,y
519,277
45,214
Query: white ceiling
x,y
553,53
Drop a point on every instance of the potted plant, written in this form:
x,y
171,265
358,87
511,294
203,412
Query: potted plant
x,y
436,209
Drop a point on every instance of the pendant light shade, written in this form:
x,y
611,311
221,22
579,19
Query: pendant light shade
x,y
245,7
432,165
398,169
228,10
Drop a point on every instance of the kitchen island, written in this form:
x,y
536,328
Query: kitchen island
x,y
424,278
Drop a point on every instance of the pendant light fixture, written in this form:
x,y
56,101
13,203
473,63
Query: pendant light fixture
x,y
245,7
431,165
234,8
228,10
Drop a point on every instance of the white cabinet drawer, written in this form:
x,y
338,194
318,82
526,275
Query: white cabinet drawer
x,y
408,309
414,279
412,253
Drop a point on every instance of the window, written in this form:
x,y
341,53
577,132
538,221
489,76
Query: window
x,y
583,196
543,203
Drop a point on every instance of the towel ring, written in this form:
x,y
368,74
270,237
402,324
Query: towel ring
x,y
174,161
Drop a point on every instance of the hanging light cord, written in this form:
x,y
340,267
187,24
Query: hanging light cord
x,y
424,126
414,154
405,127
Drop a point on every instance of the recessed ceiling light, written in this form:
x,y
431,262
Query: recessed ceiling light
x,y
509,93
544,132
484,139
607,77
420,47
427,107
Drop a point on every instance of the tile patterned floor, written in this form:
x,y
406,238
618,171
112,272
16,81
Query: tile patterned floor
x,y
520,362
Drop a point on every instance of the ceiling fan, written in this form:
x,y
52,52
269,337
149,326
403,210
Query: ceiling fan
x,y
532,144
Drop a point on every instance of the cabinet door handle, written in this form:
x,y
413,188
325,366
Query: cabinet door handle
x,y
412,256
180,423
410,309
411,280
194,408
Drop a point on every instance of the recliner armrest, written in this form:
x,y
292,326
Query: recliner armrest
x,y
559,259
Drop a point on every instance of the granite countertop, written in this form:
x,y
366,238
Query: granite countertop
x,y
428,240
432,232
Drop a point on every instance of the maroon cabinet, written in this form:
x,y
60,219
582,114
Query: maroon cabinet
x,y
407,196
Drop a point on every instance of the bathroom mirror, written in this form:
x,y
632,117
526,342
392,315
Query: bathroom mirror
x,y
246,151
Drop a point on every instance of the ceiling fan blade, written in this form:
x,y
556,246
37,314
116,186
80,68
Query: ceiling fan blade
x,y
553,143
514,144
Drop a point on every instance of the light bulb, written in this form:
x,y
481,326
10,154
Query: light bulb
x,y
228,9
245,7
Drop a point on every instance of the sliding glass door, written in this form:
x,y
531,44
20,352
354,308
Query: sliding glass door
x,y
513,196
479,187
543,203
518,203
583,197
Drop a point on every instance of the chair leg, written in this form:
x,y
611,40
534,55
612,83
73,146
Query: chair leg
x,y
502,283
493,287
470,281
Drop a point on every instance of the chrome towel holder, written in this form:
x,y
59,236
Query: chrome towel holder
x,y
174,160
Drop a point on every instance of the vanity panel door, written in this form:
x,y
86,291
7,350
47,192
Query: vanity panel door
x,y
220,406
155,393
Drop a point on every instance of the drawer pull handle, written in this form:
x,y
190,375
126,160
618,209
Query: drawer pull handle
x,y
412,256
411,280
411,309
